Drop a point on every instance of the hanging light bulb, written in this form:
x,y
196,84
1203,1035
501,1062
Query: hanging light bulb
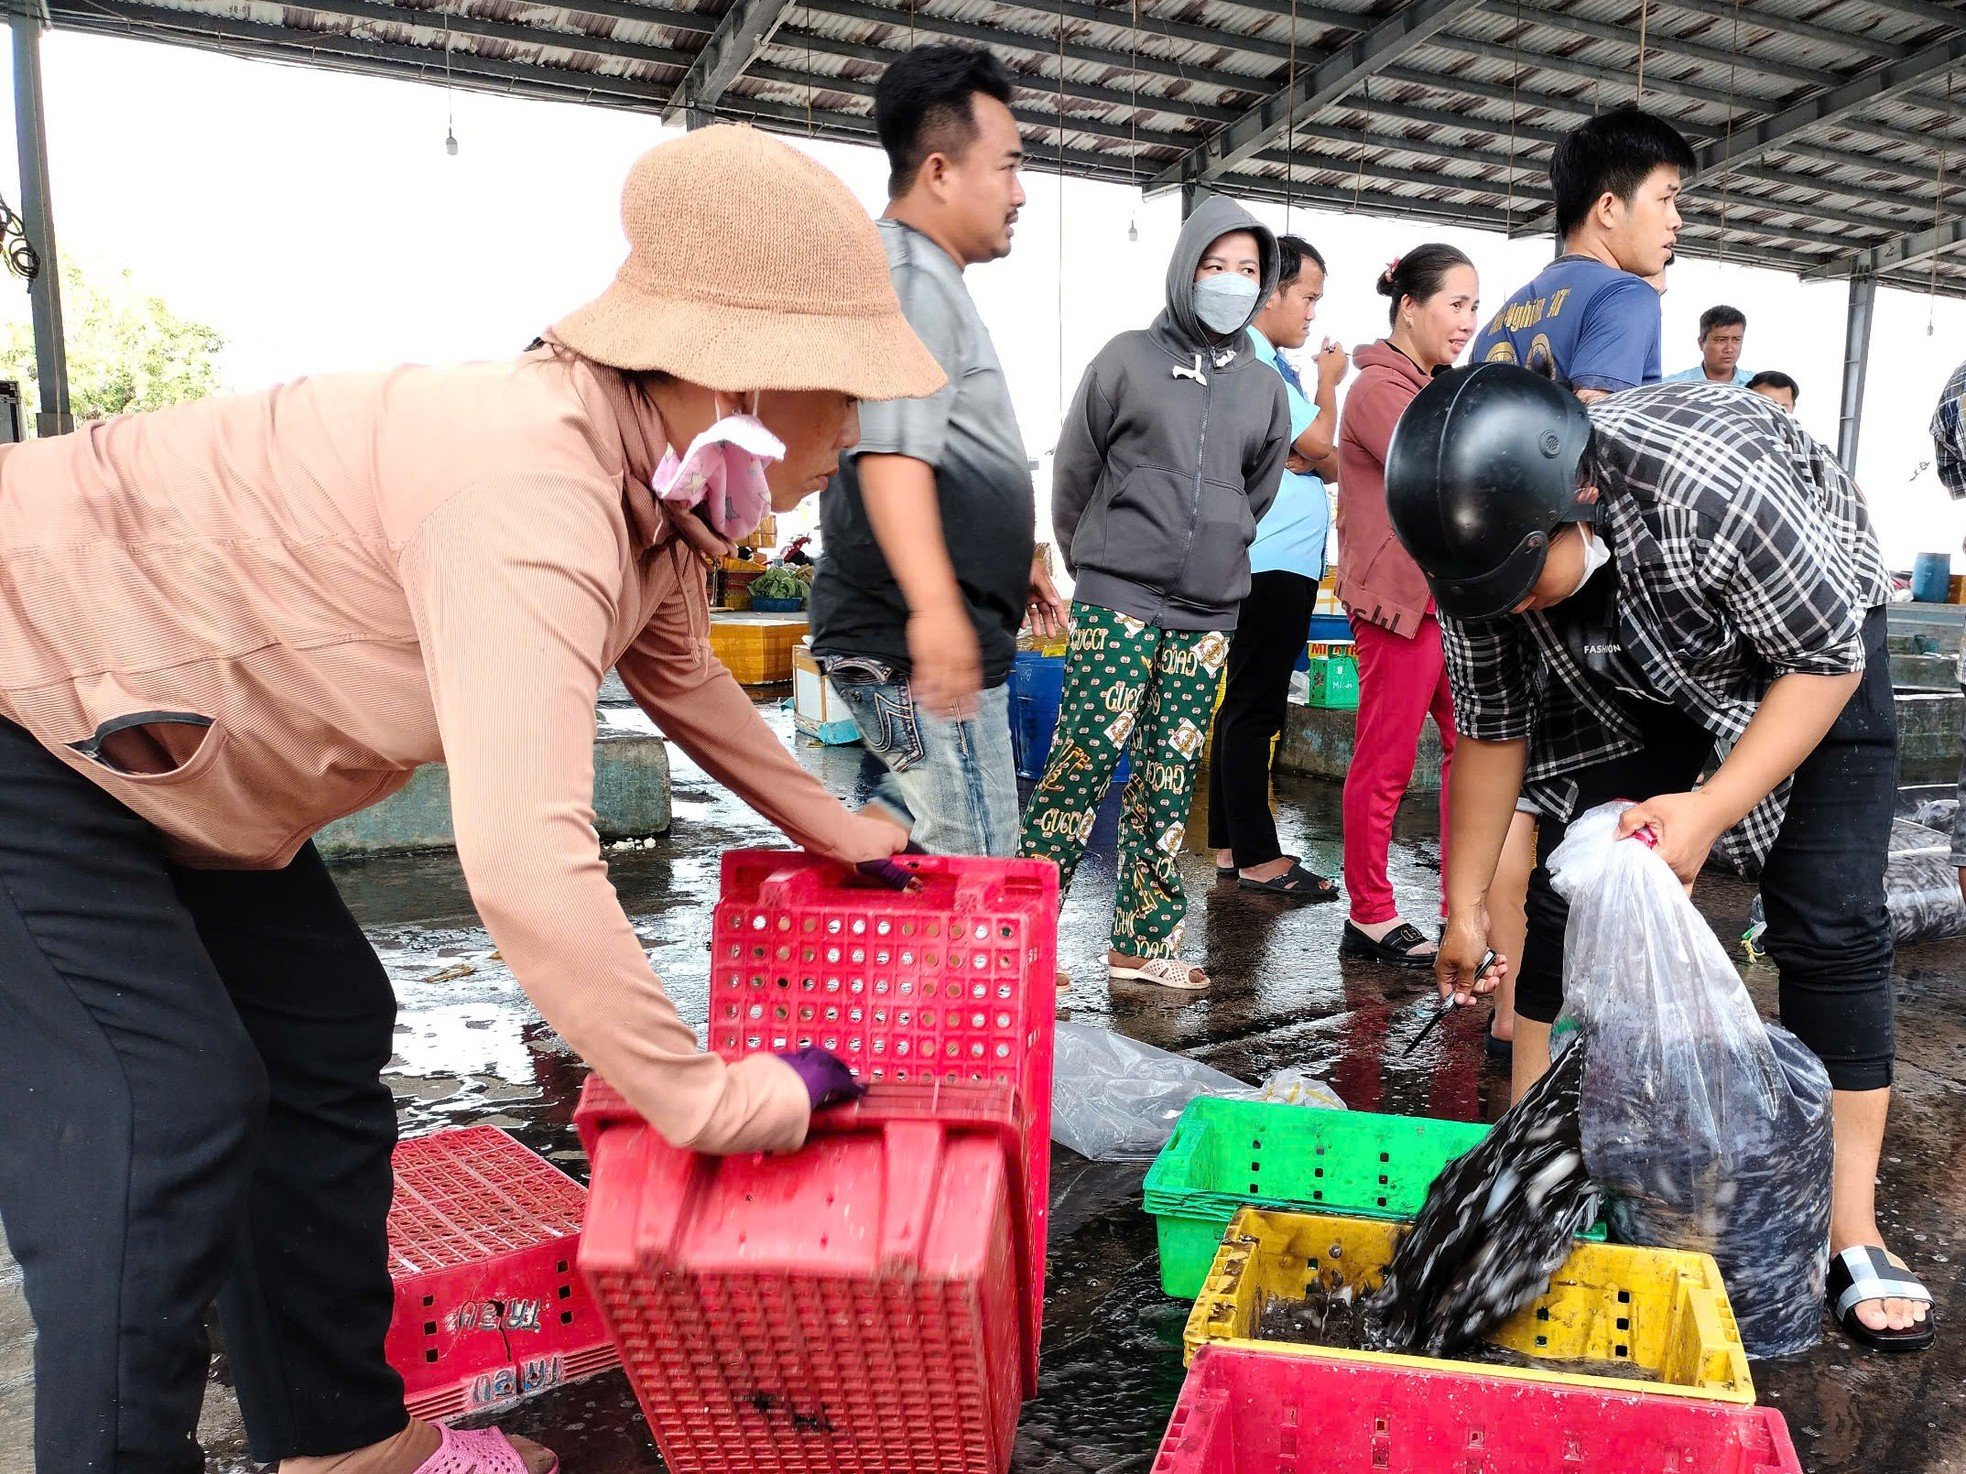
x,y
450,142
1133,230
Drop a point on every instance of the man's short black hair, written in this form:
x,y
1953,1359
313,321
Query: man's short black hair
x,y
1776,379
922,106
1292,252
1613,153
1722,316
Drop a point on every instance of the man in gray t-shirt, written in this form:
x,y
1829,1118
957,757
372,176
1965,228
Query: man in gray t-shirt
x,y
927,571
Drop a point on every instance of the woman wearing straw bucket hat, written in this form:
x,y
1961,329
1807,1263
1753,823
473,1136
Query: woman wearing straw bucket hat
x,y
224,625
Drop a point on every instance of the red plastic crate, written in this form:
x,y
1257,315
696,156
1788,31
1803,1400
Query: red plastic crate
x,y
1272,1412
490,1306
954,982
857,1305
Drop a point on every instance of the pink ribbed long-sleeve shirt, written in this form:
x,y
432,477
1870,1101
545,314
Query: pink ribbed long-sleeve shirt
x,y
348,577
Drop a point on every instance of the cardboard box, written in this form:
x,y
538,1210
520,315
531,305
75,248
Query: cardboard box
x,y
817,709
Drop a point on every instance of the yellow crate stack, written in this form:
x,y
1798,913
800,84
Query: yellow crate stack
x,y
1663,1311
757,648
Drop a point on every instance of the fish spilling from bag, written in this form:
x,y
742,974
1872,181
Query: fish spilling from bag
x,y
1496,1225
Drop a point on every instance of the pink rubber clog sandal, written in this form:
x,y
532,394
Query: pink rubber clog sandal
x,y
485,1451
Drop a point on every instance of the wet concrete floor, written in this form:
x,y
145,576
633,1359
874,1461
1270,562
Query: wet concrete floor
x,y
470,1050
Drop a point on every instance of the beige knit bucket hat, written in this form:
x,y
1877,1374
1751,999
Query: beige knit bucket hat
x,y
750,266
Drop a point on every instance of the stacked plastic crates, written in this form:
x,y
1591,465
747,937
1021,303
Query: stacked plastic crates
x,y
490,1307
1676,1394
757,648
871,1302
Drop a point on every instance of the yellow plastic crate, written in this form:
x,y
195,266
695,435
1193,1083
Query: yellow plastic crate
x,y
757,648
1660,1309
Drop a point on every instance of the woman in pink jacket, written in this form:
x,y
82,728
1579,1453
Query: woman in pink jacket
x,y
1401,674
226,624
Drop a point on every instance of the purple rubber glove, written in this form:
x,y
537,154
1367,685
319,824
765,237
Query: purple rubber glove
x,y
827,1079
891,873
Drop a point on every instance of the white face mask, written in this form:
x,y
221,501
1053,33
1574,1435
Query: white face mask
x,y
1597,552
724,471
1225,302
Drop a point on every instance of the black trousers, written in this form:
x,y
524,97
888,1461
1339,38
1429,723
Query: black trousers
x,y
1269,636
194,1110
1822,886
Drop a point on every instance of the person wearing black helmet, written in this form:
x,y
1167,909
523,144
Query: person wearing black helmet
x,y
1622,590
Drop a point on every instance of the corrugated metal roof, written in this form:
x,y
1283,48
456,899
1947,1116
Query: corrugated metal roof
x,y
1822,122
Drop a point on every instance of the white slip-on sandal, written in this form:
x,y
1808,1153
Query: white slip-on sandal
x,y
1162,972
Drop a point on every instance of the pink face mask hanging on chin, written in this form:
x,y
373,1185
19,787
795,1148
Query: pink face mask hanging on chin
x,y
723,472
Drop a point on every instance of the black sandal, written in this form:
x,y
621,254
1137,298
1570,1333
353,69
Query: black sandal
x,y
1866,1273
1296,884
1395,949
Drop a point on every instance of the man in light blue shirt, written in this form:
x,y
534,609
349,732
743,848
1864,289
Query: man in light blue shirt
x,y
1723,331
1285,563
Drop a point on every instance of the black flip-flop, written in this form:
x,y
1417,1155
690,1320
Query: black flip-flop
x,y
1393,950
1501,1051
1226,872
1296,884
1867,1273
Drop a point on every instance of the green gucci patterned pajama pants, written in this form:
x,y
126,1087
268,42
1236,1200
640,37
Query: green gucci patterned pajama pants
x,y
1129,685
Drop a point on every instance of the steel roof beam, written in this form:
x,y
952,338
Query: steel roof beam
x,y
1898,253
1412,25
863,130
1037,84
742,32
696,22
1535,203
1039,44
159,20
388,58
1665,41
1655,86
1925,10
375,12
1832,105
1030,119
1754,19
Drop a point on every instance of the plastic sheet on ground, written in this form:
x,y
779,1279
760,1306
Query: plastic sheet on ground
x,y
1709,1129
1116,1099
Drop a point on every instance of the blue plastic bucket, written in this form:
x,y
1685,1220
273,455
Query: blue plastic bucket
x,y
1037,689
1931,577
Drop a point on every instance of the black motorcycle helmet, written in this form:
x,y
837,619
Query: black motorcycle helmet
x,y
1483,468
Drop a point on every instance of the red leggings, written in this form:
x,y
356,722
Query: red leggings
x,y
1400,680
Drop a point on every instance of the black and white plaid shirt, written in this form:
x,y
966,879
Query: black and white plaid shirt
x,y
1743,553
1949,434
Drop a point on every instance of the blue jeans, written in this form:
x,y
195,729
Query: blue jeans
x,y
956,782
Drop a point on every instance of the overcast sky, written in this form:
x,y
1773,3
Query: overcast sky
x,y
316,221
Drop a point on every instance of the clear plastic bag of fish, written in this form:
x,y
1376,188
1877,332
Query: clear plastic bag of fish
x,y
1708,1129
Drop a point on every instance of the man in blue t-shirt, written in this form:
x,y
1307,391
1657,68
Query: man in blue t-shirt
x,y
1589,320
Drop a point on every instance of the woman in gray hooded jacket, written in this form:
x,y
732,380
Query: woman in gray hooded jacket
x,y
1173,448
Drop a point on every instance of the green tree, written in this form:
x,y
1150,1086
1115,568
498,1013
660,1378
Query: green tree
x,y
126,350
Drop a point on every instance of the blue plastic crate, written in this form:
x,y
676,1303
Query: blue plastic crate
x,y
1330,629
1037,687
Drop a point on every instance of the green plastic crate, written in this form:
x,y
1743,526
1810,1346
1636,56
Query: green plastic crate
x,y
1226,1154
1334,682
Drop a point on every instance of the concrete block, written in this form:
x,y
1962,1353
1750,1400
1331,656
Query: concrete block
x,y
1318,742
631,801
